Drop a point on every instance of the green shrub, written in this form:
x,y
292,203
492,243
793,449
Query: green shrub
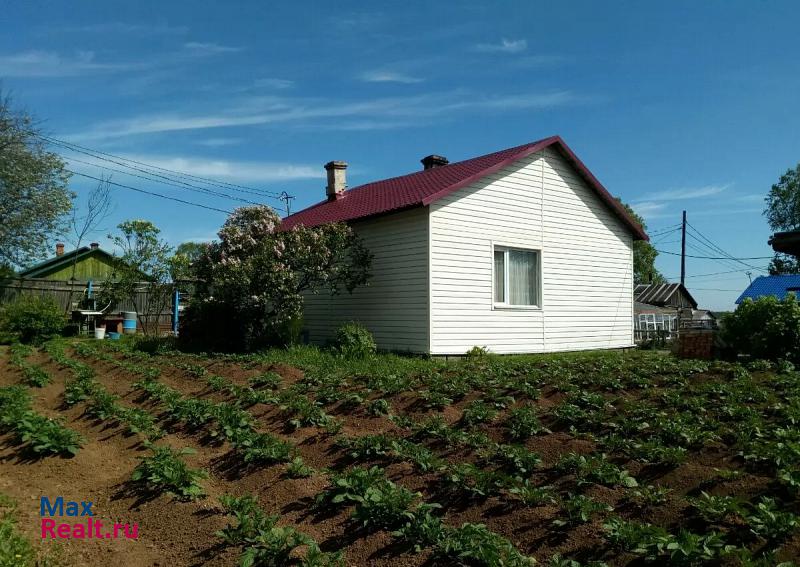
x,y
354,340
32,319
766,328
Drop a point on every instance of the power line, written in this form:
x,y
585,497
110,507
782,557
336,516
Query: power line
x,y
149,192
82,149
714,258
706,249
715,246
726,263
166,181
716,273
662,231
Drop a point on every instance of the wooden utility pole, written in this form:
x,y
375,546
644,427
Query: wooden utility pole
x,y
683,249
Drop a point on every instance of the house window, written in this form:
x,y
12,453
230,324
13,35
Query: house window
x,y
516,278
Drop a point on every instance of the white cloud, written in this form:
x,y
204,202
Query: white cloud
x,y
302,112
753,198
388,77
273,83
201,48
219,142
648,209
51,64
123,27
505,46
221,169
687,193
725,212
233,170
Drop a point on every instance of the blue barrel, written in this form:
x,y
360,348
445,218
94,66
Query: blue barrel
x,y
129,322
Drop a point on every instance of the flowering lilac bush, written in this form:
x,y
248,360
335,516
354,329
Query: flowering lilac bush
x,y
253,279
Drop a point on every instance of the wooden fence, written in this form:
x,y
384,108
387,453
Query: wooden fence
x,y
68,295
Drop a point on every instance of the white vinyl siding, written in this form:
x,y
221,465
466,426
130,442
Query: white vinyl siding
x,y
394,304
586,263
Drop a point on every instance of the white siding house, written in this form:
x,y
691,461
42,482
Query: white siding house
x,y
394,306
518,251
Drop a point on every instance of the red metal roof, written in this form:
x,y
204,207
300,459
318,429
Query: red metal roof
x,y
427,186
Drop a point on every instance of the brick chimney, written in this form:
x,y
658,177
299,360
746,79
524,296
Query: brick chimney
x,y
94,246
431,161
337,179
59,248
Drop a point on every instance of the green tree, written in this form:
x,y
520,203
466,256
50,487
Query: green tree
x,y
186,255
34,199
254,278
783,213
142,272
644,256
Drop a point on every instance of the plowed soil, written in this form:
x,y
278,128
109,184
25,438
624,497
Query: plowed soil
x,y
175,533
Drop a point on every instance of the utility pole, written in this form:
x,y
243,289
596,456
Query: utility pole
x,y
683,249
287,199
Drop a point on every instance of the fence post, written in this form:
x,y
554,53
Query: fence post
x,y
175,305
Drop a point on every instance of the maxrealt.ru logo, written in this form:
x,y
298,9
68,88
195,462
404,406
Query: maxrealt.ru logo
x,y
86,529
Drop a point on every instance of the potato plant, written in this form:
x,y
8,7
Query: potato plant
x,y
263,542
166,471
41,435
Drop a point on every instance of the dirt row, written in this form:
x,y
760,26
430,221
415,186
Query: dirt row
x,y
181,533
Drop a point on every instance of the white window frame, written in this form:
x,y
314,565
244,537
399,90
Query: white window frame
x,y
496,247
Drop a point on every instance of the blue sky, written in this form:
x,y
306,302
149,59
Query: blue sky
x,y
682,105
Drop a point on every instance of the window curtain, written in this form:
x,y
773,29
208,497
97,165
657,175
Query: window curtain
x,y
522,273
499,276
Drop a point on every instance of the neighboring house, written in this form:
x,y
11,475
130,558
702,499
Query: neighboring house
x,y
779,286
90,263
658,306
786,242
521,250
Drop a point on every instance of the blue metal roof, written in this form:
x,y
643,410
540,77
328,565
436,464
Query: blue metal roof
x,y
778,286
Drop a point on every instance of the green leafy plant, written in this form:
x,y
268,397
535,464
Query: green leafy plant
x,y
348,486
48,436
354,340
269,380
767,520
165,470
579,509
530,495
716,508
595,468
523,422
558,560
32,318
767,328
474,544
477,412
383,505
367,447
266,544
422,457
648,496
263,448
377,407
516,459
421,528
297,468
